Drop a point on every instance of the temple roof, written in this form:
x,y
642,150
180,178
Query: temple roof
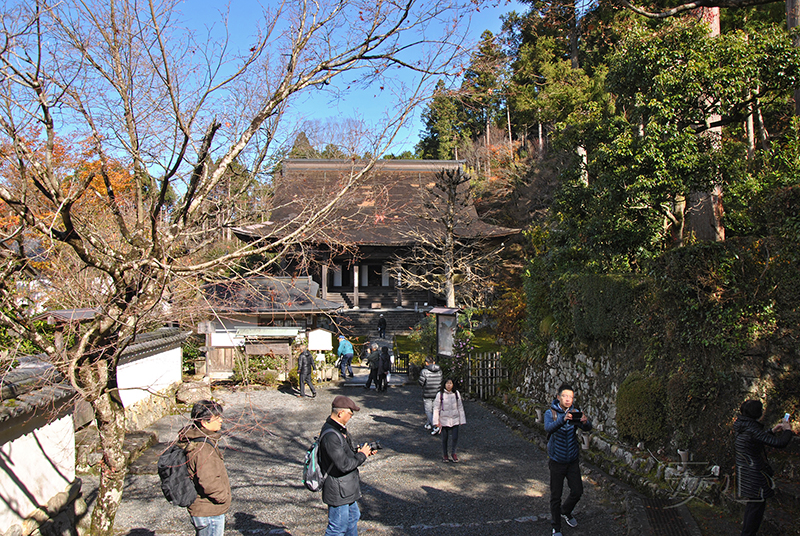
x,y
268,295
386,207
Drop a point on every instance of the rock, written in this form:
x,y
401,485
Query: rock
x,y
192,392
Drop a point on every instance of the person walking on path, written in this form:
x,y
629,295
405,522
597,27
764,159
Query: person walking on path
x,y
373,361
431,381
340,459
384,368
753,473
207,469
561,422
345,352
305,365
381,327
448,415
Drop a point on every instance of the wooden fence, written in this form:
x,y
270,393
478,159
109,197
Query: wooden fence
x,y
485,373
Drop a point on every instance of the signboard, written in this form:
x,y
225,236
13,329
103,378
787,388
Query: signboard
x,y
446,323
320,340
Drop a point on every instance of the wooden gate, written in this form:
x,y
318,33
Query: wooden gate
x,y
485,373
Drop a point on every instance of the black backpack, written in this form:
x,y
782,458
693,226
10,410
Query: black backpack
x,y
313,477
173,471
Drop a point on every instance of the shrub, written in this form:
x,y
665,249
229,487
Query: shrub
x,y
255,369
641,408
424,335
294,378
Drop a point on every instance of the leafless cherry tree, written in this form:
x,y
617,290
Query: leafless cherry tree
x,y
118,126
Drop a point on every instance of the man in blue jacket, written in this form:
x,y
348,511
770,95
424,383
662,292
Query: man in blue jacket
x,y
340,459
345,352
561,422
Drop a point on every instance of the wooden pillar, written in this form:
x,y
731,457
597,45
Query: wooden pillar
x,y
399,283
355,286
324,295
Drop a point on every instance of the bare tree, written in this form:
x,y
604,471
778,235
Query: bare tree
x,y
453,249
119,127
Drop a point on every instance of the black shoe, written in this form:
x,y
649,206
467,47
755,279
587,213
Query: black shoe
x,y
350,375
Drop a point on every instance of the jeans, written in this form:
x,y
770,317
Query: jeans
x,y
347,364
209,526
343,520
753,514
572,472
305,379
427,403
449,432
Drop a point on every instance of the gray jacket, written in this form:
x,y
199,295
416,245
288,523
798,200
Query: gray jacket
x,y
431,380
340,459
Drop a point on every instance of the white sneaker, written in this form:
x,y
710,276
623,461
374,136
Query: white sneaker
x,y
556,533
569,520
435,431
428,427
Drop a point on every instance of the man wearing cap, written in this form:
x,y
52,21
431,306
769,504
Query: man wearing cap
x,y
339,458
345,352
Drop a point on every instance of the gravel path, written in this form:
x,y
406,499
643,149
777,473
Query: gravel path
x,y
499,488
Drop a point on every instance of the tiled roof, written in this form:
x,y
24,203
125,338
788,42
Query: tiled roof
x,y
36,385
385,208
33,386
269,295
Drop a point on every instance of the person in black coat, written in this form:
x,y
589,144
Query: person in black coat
x,y
384,368
382,327
374,361
753,474
340,459
305,366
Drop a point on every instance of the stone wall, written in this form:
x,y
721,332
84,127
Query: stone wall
x,y
145,412
595,380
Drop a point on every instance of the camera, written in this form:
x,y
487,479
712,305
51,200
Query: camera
x,y
576,417
375,445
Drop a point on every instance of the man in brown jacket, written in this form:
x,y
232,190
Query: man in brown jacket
x,y
207,469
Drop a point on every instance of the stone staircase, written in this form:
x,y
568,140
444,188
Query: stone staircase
x,y
364,322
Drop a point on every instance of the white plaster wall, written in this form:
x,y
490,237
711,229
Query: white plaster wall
x,y
225,339
36,467
138,378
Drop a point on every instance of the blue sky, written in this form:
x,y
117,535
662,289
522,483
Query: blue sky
x,y
368,104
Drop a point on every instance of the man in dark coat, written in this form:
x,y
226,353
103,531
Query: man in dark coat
x,y
382,327
563,450
374,361
305,366
753,474
384,368
340,459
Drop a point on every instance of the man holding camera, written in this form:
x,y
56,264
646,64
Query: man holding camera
x,y
561,422
340,459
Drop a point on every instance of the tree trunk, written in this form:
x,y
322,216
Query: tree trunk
x,y
792,22
110,417
706,207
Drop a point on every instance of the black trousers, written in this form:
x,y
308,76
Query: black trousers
x,y
753,515
382,382
451,433
305,379
373,376
572,472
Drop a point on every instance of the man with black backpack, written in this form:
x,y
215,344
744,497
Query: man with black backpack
x,y
340,459
207,469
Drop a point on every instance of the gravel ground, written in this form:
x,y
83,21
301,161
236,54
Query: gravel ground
x,y
499,488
